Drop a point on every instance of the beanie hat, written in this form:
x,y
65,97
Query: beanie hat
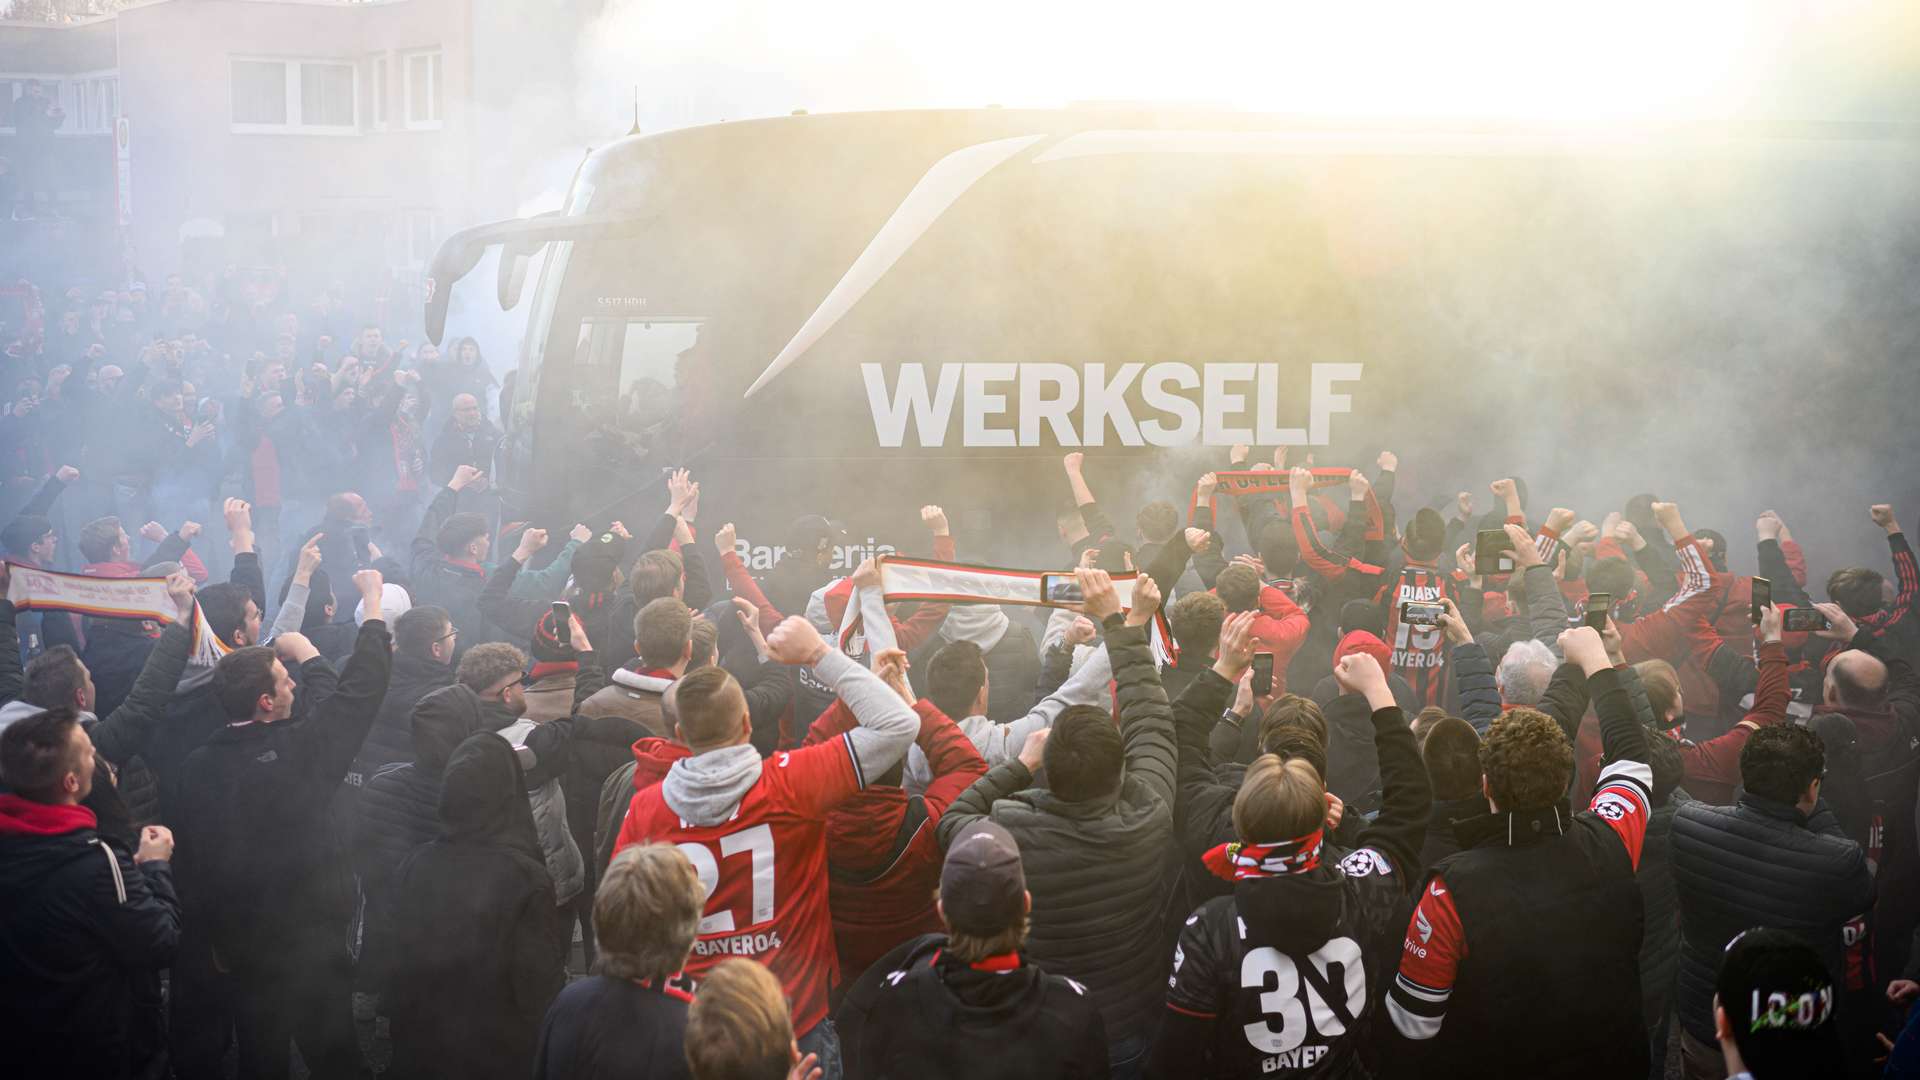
x,y
596,560
550,657
1359,641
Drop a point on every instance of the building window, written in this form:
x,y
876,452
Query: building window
x,y
423,90
92,103
380,77
306,96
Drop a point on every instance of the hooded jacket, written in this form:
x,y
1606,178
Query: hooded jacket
x,y
544,737
1098,868
390,740
476,927
920,1012
79,923
259,860
433,578
398,810
883,858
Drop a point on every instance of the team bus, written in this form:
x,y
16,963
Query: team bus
x,y
856,314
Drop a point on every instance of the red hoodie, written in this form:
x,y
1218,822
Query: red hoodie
x,y
24,817
883,858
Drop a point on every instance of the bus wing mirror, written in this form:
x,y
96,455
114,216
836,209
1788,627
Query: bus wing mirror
x,y
522,238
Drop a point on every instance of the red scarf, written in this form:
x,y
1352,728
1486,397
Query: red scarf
x,y
1274,481
1240,861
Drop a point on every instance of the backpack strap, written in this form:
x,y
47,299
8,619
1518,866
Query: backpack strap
x,y
910,825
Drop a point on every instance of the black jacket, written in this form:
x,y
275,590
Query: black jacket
x,y
476,930
79,923
259,859
1760,863
918,1012
1098,869
398,809
434,579
1347,918
390,740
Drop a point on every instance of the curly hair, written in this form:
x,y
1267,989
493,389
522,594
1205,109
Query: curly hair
x,y
1526,760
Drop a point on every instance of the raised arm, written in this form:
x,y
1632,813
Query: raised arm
x,y
125,731
1787,588
338,724
1472,672
1905,575
741,582
1146,720
887,725
516,617
1407,793
1099,526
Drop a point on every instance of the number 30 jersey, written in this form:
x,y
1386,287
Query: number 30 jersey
x,y
764,871
1286,968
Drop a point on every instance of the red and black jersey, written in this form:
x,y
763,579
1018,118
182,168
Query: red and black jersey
x,y
1419,652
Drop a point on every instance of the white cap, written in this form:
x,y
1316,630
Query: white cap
x,y
394,603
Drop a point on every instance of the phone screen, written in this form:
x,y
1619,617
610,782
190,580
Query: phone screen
x,y
1599,605
1762,597
1262,674
1493,552
563,623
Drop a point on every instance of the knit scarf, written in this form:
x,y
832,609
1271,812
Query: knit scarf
x,y
1240,861
1274,482
933,581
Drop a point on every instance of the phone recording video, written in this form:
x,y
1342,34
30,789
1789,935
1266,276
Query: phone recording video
x,y
1599,606
563,623
1802,620
1262,674
1493,552
1762,597
1422,612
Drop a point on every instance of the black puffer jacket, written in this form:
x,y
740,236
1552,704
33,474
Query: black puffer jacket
x,y
398,806
1098,869
79,924
1760,863
391,738
1660,935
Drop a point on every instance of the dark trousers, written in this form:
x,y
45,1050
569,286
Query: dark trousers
x,y
302,995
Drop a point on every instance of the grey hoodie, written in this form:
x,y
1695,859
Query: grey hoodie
x,y
706,789
1000,743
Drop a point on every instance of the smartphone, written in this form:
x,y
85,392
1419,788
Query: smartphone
x,y
1065,592
1599,606
1262,674
1422,612
1762,597
1803,619
563,623
361,549
1493,552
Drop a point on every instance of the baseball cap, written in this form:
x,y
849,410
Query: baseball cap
x,y
807,533
982,886
1779,1000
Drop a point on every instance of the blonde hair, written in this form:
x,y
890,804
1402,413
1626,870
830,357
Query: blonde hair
x,y
1279,799
738,1027
1662,685
647,912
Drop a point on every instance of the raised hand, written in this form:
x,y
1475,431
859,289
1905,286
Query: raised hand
x,y
1074,462
154,531
867,575
1198,539
935,519
1668,515
1627,534
723,538
1034,753
293,648
1297,482
239,515
1236,645
156,845
1357,485
371,586
1239,454
1080,631
891,666
1883,516
1453,625
1146,600
1525,554
1359,673
189,530
1099,599
1559,519
180,591
1582,532
619,529
1463,502
464,477
1582,646
1388,461
679,491
580,534
1768,525
1840,626
310,559
1209,483
66,474
531,540
1768,629
795,641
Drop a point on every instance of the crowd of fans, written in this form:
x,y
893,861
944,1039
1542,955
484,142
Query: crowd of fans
x,y
1305,825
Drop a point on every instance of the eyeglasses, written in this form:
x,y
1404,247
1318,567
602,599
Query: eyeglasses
x,y
448,636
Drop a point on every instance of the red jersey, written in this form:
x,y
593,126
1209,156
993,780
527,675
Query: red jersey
x,y
765,871
1419,652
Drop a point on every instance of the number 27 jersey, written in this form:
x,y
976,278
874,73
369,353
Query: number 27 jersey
x,y
1288,997
764,870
